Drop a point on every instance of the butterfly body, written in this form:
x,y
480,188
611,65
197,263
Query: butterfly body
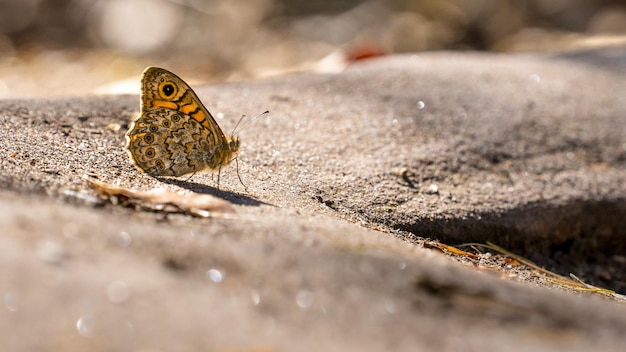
x,y
174,134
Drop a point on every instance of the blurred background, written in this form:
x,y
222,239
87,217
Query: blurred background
x,y
77,47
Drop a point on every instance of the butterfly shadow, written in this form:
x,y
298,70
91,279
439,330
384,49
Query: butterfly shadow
x,y
235,198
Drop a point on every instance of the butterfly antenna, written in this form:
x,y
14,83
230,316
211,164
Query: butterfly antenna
x,y
237,125
235,130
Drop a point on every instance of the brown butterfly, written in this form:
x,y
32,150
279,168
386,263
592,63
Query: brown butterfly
x,y
174,134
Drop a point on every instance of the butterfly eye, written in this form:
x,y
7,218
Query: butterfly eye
x,y
233,143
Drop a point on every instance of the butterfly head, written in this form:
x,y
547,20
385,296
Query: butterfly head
x,y
233,144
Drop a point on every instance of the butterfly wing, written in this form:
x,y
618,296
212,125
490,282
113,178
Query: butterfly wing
x,y
174,134
163,142
163,89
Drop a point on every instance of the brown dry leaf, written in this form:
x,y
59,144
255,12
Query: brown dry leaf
x,y
448,249
573,282
163,199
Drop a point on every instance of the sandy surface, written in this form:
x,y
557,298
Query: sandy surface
x,y
347,177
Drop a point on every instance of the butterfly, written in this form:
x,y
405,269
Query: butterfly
x,y
174,134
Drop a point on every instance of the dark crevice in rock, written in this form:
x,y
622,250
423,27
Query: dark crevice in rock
x,y
583,237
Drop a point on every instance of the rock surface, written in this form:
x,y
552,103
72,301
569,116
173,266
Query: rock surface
x,y
345,178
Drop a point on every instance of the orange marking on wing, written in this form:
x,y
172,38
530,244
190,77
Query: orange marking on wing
x,y
164,104
136,136
188,108
200,117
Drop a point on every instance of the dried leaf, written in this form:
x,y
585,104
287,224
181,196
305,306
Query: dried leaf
x,y
162,199
448,249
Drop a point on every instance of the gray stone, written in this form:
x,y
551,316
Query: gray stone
x,y
346,177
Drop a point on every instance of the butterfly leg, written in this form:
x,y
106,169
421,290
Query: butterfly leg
x,y
238,176
219,171
190,176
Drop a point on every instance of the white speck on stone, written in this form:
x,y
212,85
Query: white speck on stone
x,y
51,252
